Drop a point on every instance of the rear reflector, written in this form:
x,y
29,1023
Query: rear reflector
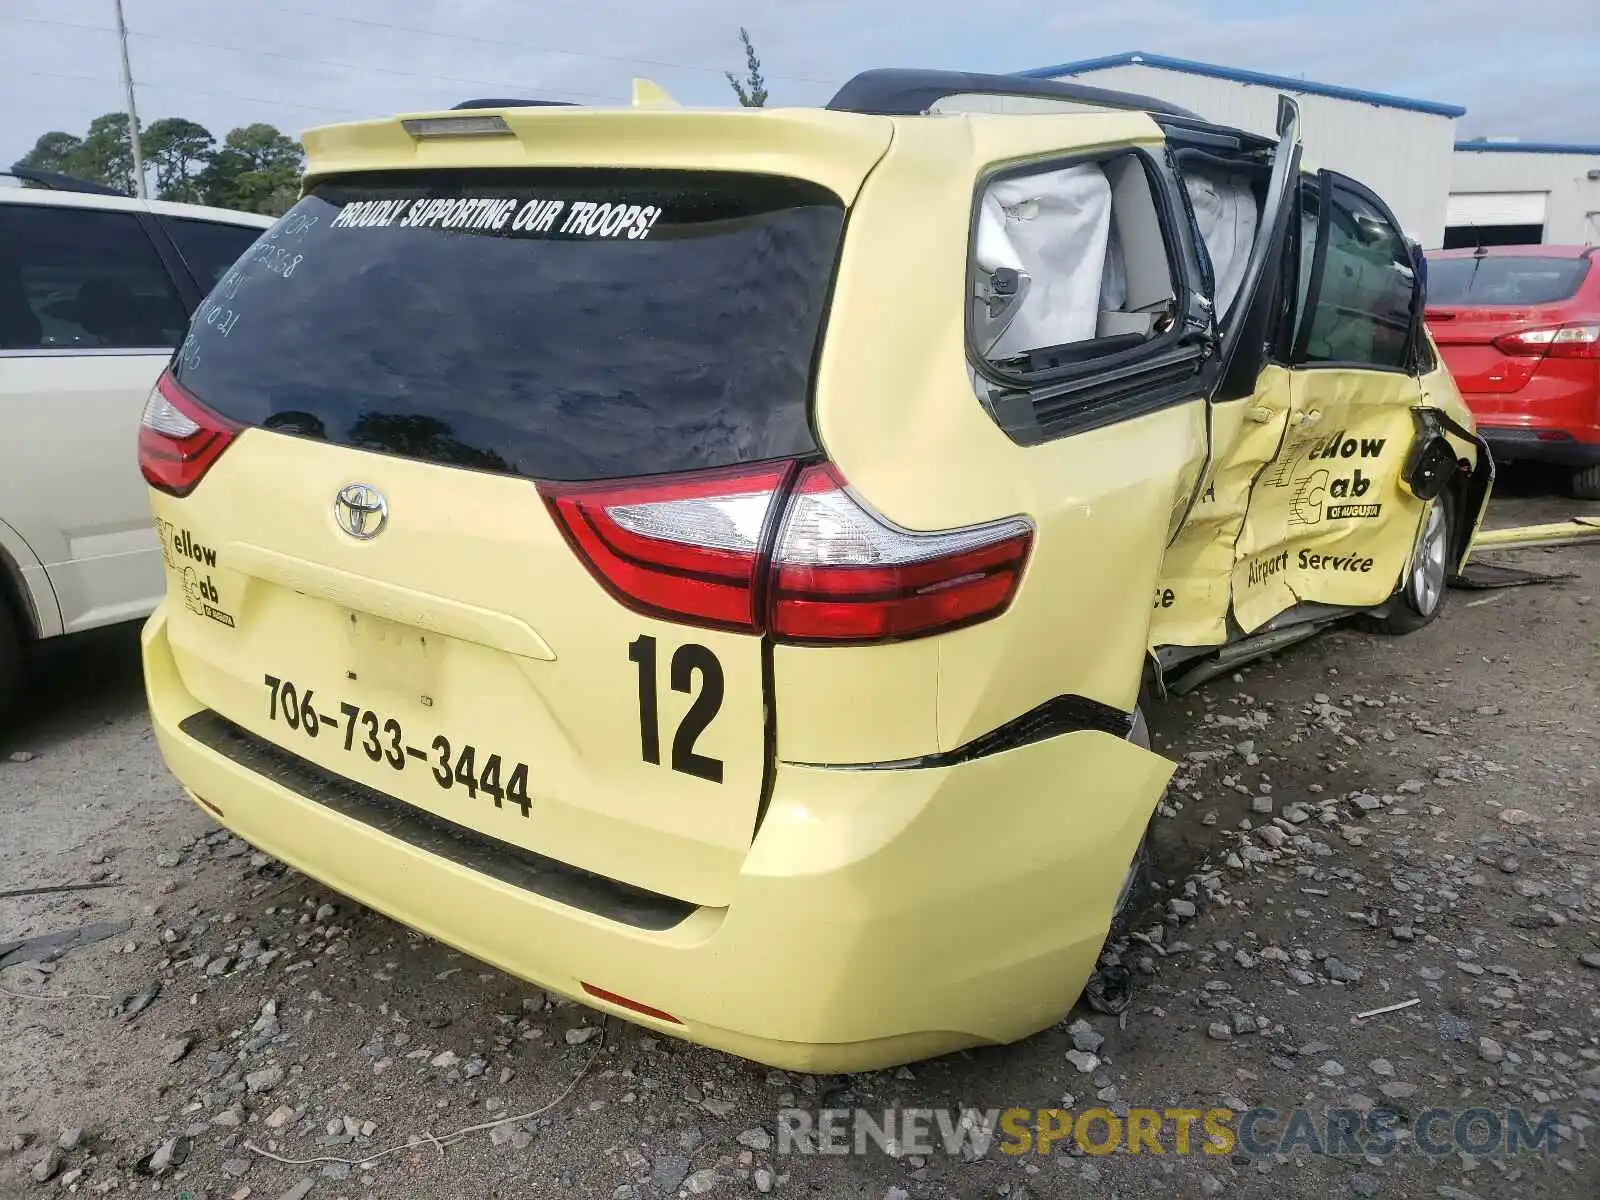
x,y
179,438
1563,341
710,549
208,806
630,1005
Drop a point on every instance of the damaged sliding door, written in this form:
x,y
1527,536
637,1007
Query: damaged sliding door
x,y
1329,521
1249,409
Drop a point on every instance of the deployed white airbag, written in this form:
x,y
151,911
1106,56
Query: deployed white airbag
x,y
1057,226
1225,210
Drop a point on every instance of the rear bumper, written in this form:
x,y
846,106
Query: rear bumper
x,y
1542,444
881,916
1553,418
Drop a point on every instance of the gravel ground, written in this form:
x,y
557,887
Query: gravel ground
x,y
1356,823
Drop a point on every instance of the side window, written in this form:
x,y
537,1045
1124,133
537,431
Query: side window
x,y
1069,264
83,279
1226,200
1356,291
209,248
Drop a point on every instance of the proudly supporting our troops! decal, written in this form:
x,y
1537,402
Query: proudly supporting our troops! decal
x,y
505,215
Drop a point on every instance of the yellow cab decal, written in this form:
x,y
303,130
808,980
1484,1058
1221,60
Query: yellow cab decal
x,y
1330,521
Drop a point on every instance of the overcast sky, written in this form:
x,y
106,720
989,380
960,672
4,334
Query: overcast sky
x,y
1531,71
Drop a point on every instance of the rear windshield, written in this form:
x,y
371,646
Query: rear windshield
x,y
1504,281
552,324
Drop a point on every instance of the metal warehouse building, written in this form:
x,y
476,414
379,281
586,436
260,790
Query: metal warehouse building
x,y
1401,148
1516,193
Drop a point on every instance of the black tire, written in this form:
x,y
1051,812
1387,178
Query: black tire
x,y
11,659
1586,483
1134,890
1136,885
1421,596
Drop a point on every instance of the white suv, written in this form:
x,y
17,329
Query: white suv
x,y
96,289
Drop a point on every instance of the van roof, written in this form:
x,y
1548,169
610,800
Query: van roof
x,y
116,202
910,92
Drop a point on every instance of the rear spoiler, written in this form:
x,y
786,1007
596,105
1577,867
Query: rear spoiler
x,y
646,94
899,92
513,104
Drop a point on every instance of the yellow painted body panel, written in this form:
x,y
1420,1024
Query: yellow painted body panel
x,y
879,917
1551,533
833,149
400,626
1195,591
1304,501
842,918
1330,521
1439,391
1102,500
883,702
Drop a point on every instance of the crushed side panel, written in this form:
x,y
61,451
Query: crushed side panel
x,y
1331,522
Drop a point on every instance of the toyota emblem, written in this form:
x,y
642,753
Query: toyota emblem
x,y
361,511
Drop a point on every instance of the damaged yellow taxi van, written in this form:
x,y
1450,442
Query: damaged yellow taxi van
x,y
706,563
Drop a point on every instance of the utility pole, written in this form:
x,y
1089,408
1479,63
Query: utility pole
x,y
133,111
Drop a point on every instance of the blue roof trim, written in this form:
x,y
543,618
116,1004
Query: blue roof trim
x,y
1528,148
1283,82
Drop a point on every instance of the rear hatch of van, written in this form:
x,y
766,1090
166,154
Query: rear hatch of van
x,y
462,471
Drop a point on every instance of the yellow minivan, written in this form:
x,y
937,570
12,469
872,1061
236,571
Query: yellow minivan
x,y
707,562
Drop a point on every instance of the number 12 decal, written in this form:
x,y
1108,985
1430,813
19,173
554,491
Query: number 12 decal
x,y
687,661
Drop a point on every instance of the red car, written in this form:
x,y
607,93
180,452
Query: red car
x,y
1519,328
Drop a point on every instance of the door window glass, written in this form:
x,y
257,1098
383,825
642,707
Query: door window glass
x,y
1069,264
1361,303
209,248
82,279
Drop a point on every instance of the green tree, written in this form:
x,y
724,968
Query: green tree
x,y
257,169
54,151
104,156
106,153
178,150
752,89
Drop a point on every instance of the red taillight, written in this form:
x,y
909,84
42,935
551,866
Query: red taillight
x,y
179,438
840,573
1561,341
709,549
684,547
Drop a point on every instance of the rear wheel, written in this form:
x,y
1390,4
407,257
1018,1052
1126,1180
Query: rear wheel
x,y
1586,483
1136,883
1422,594
1109,989
10,658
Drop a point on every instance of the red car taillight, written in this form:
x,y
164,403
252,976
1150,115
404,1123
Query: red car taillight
x,y
179,438
841,573
769,549
684,547
1561,341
